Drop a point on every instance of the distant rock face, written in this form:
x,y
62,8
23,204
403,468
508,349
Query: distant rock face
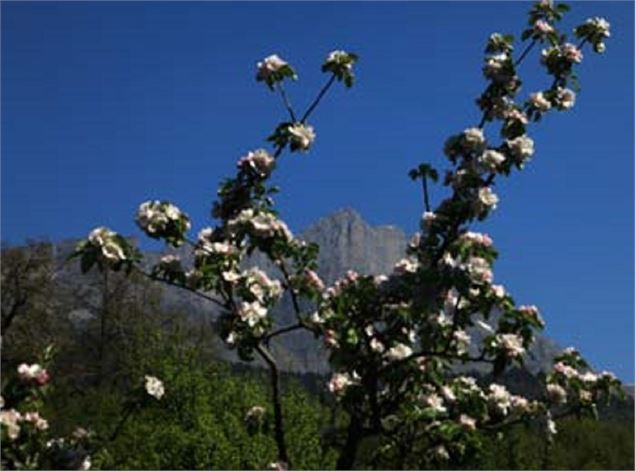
x,y
347,242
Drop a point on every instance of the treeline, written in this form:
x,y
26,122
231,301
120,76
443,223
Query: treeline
x,y
109,331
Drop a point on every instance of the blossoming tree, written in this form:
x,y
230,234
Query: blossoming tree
x,y
393,340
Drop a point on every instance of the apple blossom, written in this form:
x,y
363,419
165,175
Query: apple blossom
x,y
301,136
154,387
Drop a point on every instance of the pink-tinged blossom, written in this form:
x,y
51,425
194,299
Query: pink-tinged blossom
x,y
512,344
531,312
479,270
476,238
498,291
434,402
339,382
331,339
252,313
33,373
499,399
542,27
565,370
314,280
36,420
406,265
571,53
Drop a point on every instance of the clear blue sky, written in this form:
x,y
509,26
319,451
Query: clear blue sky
x,y
106,105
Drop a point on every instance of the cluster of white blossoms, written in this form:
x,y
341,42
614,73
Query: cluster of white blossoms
x,y
540,102
154,387
473,139
269,66
556,58
162,219
497,67
255,415
542,27
491,159
511,344
461,341
263,288
521,148
406,265
595,30
433,402
556,394
398,352
208,245
301,136
258,161
479,270
260,225
252,313
476,238
501,401
487,199
340,382
33,373
106,242
12,420
339,58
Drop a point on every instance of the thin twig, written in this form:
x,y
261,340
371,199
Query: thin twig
x,y
317,99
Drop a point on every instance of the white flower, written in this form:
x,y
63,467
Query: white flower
x,y
376,345
434,402
11,419
487,197
556,393
589,377
467,422
339,58
301,136
571,53
441,453
252,313
550,426
448,394
339,382
519,404
406,265
398,352
154,387
100,235
38,422
34,372
564,98
269,65
462,339
541,26
259,160
539,101
473,139
531,312
565,370
277,466
479,270
491,159
498,291
476,238
499,398
511,343
602,26
522,147
86,464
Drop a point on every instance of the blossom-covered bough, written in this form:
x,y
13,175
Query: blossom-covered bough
x,y
393,340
